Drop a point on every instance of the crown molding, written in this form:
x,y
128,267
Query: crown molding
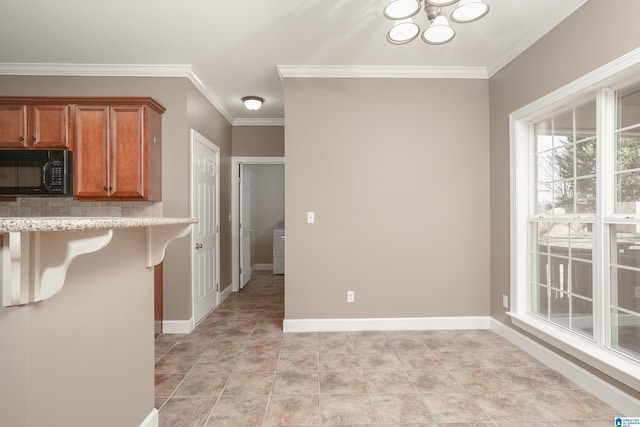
x,y
416,72
118,70
102,70
258,122
208,93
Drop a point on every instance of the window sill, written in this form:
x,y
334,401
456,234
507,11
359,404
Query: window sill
x,y
607,361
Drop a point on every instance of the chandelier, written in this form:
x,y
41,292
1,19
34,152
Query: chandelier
x,y
439,31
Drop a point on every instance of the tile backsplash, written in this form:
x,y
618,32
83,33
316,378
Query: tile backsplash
x,y
66,206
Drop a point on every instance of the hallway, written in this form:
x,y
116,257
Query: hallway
x,y
237,369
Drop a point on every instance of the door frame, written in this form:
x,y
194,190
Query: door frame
x,y
193,136
236,161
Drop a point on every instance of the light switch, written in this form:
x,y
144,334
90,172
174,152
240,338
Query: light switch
x,y
311,217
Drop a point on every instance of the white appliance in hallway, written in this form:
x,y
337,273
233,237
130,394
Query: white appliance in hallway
x,y
278,249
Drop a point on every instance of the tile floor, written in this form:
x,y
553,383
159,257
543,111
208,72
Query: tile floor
x,y
238,369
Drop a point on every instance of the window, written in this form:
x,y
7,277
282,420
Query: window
x,y
624,227
564,156
575,194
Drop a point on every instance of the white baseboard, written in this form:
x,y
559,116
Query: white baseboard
x,y
225,294
385,324
612,396
257,267
178,326
186,326
151,420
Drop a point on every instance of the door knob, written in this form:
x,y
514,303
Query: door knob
x,y
198,245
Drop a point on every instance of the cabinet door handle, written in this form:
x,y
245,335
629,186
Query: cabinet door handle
x,y
198,245
33,138
105,189
21,138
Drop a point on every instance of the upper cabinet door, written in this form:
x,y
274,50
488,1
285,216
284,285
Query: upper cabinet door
x,y
127,139
91,159
50,127
13,126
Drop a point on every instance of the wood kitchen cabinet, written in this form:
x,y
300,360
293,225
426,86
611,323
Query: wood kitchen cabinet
x,y
35,126
118,151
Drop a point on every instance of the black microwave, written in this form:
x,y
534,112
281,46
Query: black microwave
x,y
36,173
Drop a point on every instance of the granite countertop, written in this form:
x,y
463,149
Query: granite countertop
x,y
20,224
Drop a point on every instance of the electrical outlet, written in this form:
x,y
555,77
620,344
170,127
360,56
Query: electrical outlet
x,y
351,296
505,301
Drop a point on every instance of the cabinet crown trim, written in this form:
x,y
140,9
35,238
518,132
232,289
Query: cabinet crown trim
x,y
84,100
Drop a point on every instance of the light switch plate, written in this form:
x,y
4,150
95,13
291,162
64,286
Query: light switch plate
x,y
311,217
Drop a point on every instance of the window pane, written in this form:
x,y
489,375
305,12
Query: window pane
x,y
627,151
540,301
542,270
544,176
544,198
626,241
586,158
586,195
581,240
563,128
623,289
582,278
543,136
559,312
626,332
563,197
542,231
628,112
628,192
544,167
559,238
558,273
586,120
563,165
582,316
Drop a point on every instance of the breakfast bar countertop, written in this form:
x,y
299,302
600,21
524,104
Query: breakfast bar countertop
x,y
22,224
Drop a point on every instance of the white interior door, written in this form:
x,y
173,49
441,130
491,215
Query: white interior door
x,y
205,239
245,225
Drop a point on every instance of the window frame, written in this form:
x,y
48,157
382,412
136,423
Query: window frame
x,y
601,84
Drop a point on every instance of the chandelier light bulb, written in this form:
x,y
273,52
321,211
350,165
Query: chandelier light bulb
x,y
403,32
441,3
469,11
401,9
439,32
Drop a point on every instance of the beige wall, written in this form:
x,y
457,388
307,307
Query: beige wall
x,y
185,108
574,48
258,141
86,355
397,172
267,209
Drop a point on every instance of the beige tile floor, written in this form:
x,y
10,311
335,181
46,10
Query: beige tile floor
x,y
238,369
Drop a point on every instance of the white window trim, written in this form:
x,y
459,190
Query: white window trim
x,y
610,362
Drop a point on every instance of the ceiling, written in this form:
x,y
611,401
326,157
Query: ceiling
x,y
234,48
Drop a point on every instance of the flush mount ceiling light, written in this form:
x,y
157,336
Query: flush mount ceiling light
x,y
439,30
252,103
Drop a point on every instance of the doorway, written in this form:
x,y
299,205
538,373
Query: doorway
x,y
243,232
205,235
